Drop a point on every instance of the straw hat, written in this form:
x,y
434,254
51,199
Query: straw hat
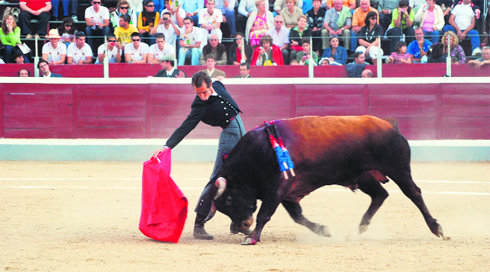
x,y
53,34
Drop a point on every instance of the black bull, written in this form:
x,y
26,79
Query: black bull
x,y
356,152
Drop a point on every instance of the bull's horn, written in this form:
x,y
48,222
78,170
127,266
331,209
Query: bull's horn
x,y
221,184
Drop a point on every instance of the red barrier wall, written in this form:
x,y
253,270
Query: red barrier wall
x,y
123,110
145,70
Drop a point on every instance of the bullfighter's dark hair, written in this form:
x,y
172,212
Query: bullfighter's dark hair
x,y
200,77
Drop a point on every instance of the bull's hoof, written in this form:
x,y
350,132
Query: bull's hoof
x,y
249,241
363,228
440,234
323,231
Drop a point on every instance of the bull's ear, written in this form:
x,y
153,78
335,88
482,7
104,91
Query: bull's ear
x,y
221,185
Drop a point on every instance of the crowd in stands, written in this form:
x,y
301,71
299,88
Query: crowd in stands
x,y
256,32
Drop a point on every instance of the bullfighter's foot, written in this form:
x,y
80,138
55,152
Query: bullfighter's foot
x,y
201,234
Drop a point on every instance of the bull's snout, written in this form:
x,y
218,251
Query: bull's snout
x,y
246,224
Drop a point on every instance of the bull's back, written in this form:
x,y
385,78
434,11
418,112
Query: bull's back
x,y
314,136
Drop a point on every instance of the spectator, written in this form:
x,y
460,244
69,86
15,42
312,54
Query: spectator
x,y
123,8
97,20
296,36
355,68
168,28
73,9
190,42
211,71
338,22
279,5
19,58
367,73
436,53
34,9
291,13
9,37
192,8
136,5
147,20
385,11
43,67
484,59
210,20
267,54
336,55
167,63
418,49
160,49
462,22
431,19
67,31
350,4
280,37
369,42
258,23
245,9
113,49
456,51
315,16
177,14
402,23
240,51
244,70
400,54
214,49
324,62
227,8
307,56
23,73
79,52
359,20
124,30
54,51
136,51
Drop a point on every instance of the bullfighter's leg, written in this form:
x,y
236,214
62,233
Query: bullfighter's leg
x,y
295,211
404,180
369,185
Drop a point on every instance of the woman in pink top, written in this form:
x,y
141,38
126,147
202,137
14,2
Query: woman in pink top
x,y
258,23
431,18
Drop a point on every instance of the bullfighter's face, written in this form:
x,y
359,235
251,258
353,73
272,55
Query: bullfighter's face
x,y
204,91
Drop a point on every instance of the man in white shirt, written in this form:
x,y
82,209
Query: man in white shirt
x,y
113,48
136,51
168,28
280,36
227,8
97,20
54,51
79,52
462,22
160,49
210,20
190,42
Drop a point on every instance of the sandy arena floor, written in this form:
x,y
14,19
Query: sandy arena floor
x,y
82,216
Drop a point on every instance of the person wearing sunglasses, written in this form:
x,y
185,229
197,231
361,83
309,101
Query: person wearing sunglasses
x,y
136,51
123,8
97,21
147,20
112,50
67,31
